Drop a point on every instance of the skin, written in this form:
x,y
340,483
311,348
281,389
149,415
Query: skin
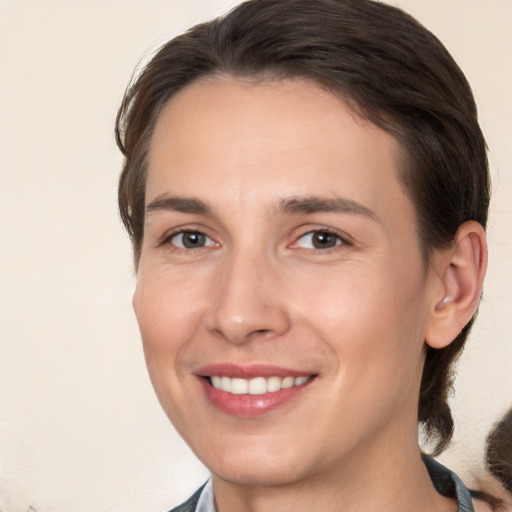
x,y
257,290
487,483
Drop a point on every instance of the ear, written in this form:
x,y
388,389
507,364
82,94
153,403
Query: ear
x,y
459,272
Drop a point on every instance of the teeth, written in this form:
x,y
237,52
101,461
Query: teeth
x,y
225,383
274,384
288,382
300,380
239,386
256,386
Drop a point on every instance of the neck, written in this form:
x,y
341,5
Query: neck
x,y
388,481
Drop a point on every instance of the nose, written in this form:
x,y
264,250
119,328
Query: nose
x,y
249,303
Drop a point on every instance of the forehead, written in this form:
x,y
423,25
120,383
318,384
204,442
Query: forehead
x,y
228,139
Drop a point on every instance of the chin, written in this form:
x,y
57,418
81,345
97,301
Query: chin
x,y
257,473
259,463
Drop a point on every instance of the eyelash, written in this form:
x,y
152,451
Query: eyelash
x,y
341,240
167,240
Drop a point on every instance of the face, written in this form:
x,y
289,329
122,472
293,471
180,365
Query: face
x,y
282,296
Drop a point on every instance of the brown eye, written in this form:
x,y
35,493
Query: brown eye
x,y
191,240
319,240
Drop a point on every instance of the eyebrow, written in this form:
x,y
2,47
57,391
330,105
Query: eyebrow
x,y
292,205
313,204
178,204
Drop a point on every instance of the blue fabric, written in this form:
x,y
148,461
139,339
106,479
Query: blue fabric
x,y
447,483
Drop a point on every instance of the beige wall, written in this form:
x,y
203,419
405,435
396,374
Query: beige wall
x,y
80,428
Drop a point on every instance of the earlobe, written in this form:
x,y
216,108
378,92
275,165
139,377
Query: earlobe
x,y
461,271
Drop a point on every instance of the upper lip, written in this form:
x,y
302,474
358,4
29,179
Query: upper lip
x,y
249,371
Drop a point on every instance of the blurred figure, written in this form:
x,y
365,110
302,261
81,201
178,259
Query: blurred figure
x,y
495,486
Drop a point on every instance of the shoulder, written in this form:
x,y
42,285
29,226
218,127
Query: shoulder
x,y
190,504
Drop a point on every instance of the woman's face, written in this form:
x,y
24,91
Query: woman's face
x,y
282,296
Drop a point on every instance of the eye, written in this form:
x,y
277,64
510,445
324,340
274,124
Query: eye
x,y
320,239
191,240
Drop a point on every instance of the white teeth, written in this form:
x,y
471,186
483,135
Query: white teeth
x,y
257,385
288,382
274,384
239,386
225,384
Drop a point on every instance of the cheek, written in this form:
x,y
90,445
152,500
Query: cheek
x,y
167,307
373,321
168,314
167,318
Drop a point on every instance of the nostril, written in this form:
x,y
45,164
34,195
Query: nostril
x,y
261,333
240,319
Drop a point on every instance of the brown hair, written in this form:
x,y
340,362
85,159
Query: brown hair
x,y
498,460
388,68
498,456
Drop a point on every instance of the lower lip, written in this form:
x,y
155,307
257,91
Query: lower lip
x,y
250,405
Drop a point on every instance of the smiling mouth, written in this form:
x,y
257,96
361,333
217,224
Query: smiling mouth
x,y
256,385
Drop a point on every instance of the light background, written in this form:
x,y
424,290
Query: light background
x,y
80,428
